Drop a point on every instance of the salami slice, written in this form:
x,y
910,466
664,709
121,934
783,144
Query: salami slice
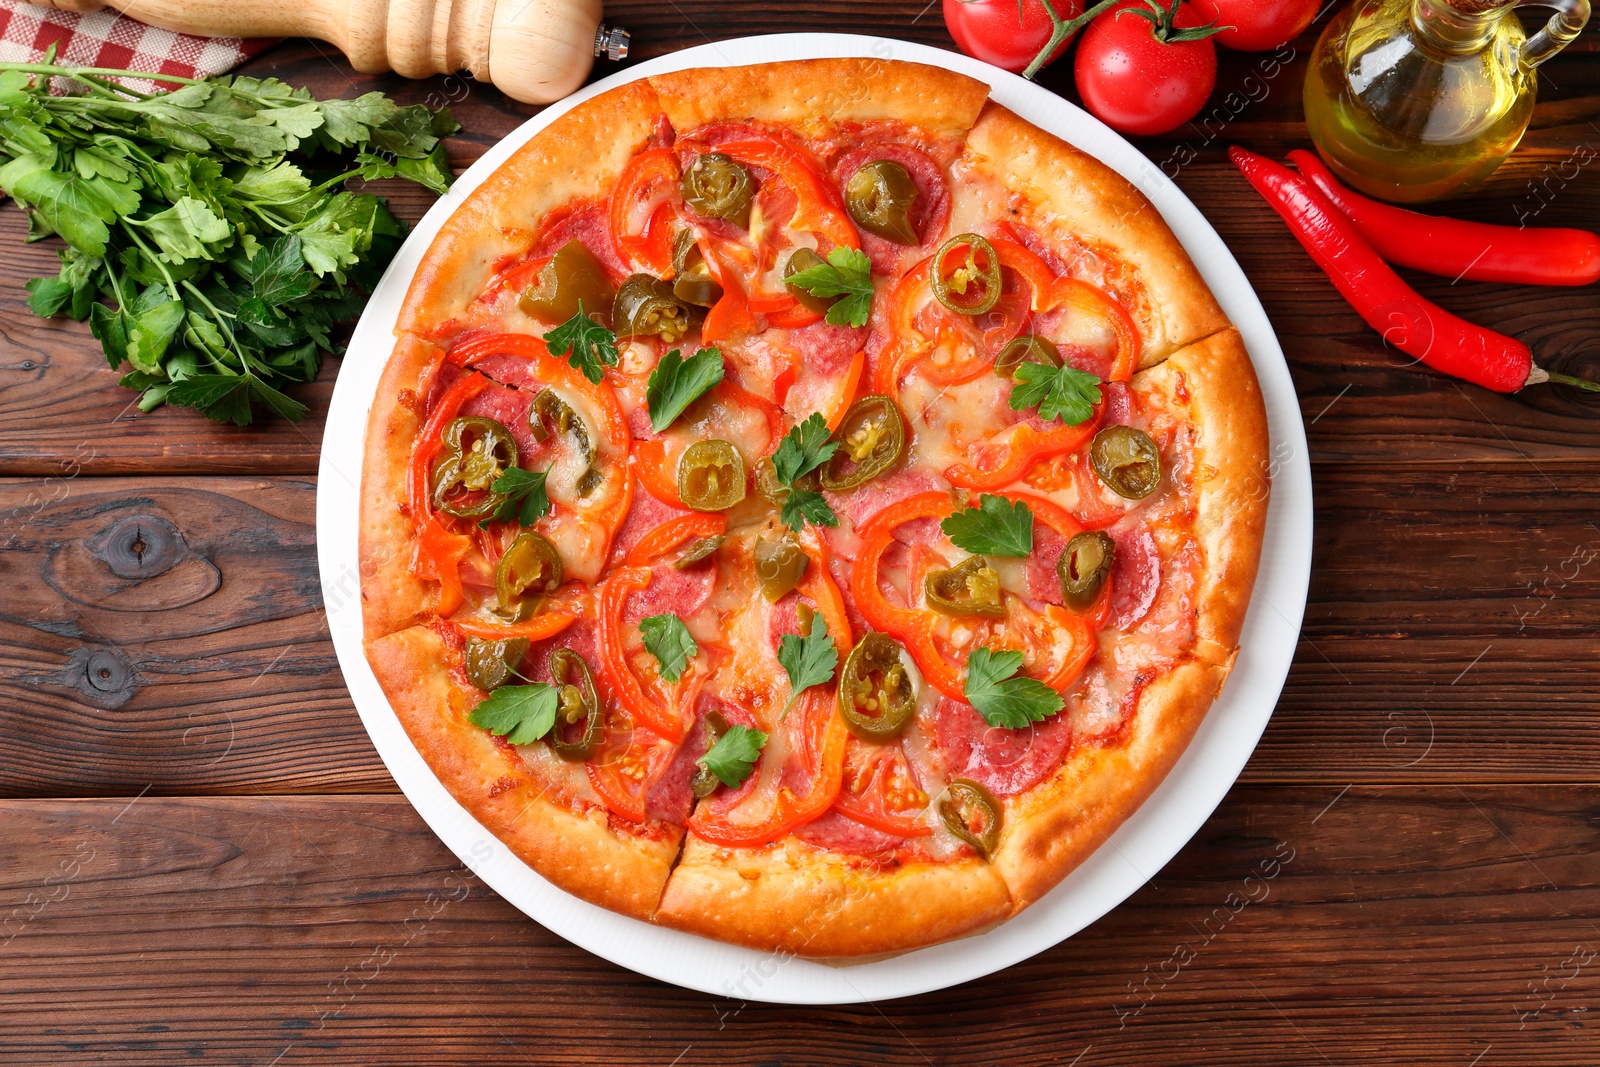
x,y
671,797
586,222
670,592
928,212
508,407
1044,583
1135,576
646,513
1005,762
837,831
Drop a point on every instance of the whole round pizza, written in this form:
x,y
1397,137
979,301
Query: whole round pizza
x,y
808,505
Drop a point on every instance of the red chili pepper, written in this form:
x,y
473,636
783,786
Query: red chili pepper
x,y
1456,248
1407,321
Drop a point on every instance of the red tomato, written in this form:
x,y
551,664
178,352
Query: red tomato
x,y
1258,25
1138,84
1007,33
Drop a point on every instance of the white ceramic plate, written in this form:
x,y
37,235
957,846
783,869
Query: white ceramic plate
x,y
1138,849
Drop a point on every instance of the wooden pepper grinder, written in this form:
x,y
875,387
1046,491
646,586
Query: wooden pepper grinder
x,y
534,50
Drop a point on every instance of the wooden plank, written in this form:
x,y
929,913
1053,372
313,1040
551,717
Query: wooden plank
x,y
170,635
1402,927
63,406
1442,609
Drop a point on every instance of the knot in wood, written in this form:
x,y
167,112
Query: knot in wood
x,y
138,546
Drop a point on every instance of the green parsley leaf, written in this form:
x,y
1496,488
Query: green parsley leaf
x,y
808,660
588,346
803,449
734,755
200,250
1003,700
676,383
525,498
801,506
1065,394
519,713
848,274
669,641
996,527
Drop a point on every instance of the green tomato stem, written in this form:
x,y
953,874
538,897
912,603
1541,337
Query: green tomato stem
x,y
1061,29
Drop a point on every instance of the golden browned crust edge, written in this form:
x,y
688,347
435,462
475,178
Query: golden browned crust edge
x,y
578,853
1053,827
1232,480
392,598
811,94
578,155
1095,202
810,902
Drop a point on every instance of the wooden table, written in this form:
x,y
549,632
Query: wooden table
x,y
202,859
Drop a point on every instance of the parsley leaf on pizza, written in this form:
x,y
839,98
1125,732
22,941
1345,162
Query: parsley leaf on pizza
x,y
1065,394
801,506
847,273
588,346
669,641
676,383
519,713
734,755
809,660
1003,699
996,527
524,497
803,449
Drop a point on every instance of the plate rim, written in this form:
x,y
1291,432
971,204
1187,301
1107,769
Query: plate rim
x,y
1152,835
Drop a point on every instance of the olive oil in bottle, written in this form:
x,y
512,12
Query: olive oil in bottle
x,y
1415,100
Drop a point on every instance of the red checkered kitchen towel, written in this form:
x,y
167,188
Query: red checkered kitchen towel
x,y
107,39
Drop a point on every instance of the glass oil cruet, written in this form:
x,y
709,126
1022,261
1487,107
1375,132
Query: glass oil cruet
x,y
1414,100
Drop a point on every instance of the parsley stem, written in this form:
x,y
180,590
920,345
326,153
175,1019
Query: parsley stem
x,y
172,286
76,73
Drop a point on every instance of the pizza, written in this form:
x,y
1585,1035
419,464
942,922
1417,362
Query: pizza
x,y
807,505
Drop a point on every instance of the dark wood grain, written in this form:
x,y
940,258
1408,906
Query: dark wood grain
x,y
1408,927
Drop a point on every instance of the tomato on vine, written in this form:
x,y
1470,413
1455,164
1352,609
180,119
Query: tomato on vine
x,y
1258,25
1147,66
1011,34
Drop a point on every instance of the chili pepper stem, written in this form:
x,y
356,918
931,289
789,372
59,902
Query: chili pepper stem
x,y
1538,376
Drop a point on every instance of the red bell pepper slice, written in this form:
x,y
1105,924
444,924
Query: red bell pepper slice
x,y
630,691
558,372
674,532
641,185
439,548
916,627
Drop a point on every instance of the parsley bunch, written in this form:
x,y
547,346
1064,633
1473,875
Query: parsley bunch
x,y
209,244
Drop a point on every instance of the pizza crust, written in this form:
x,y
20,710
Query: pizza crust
x,y
585,854
1051,829
795,899
811,95
1232,477
577,156
1067,190
392,597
